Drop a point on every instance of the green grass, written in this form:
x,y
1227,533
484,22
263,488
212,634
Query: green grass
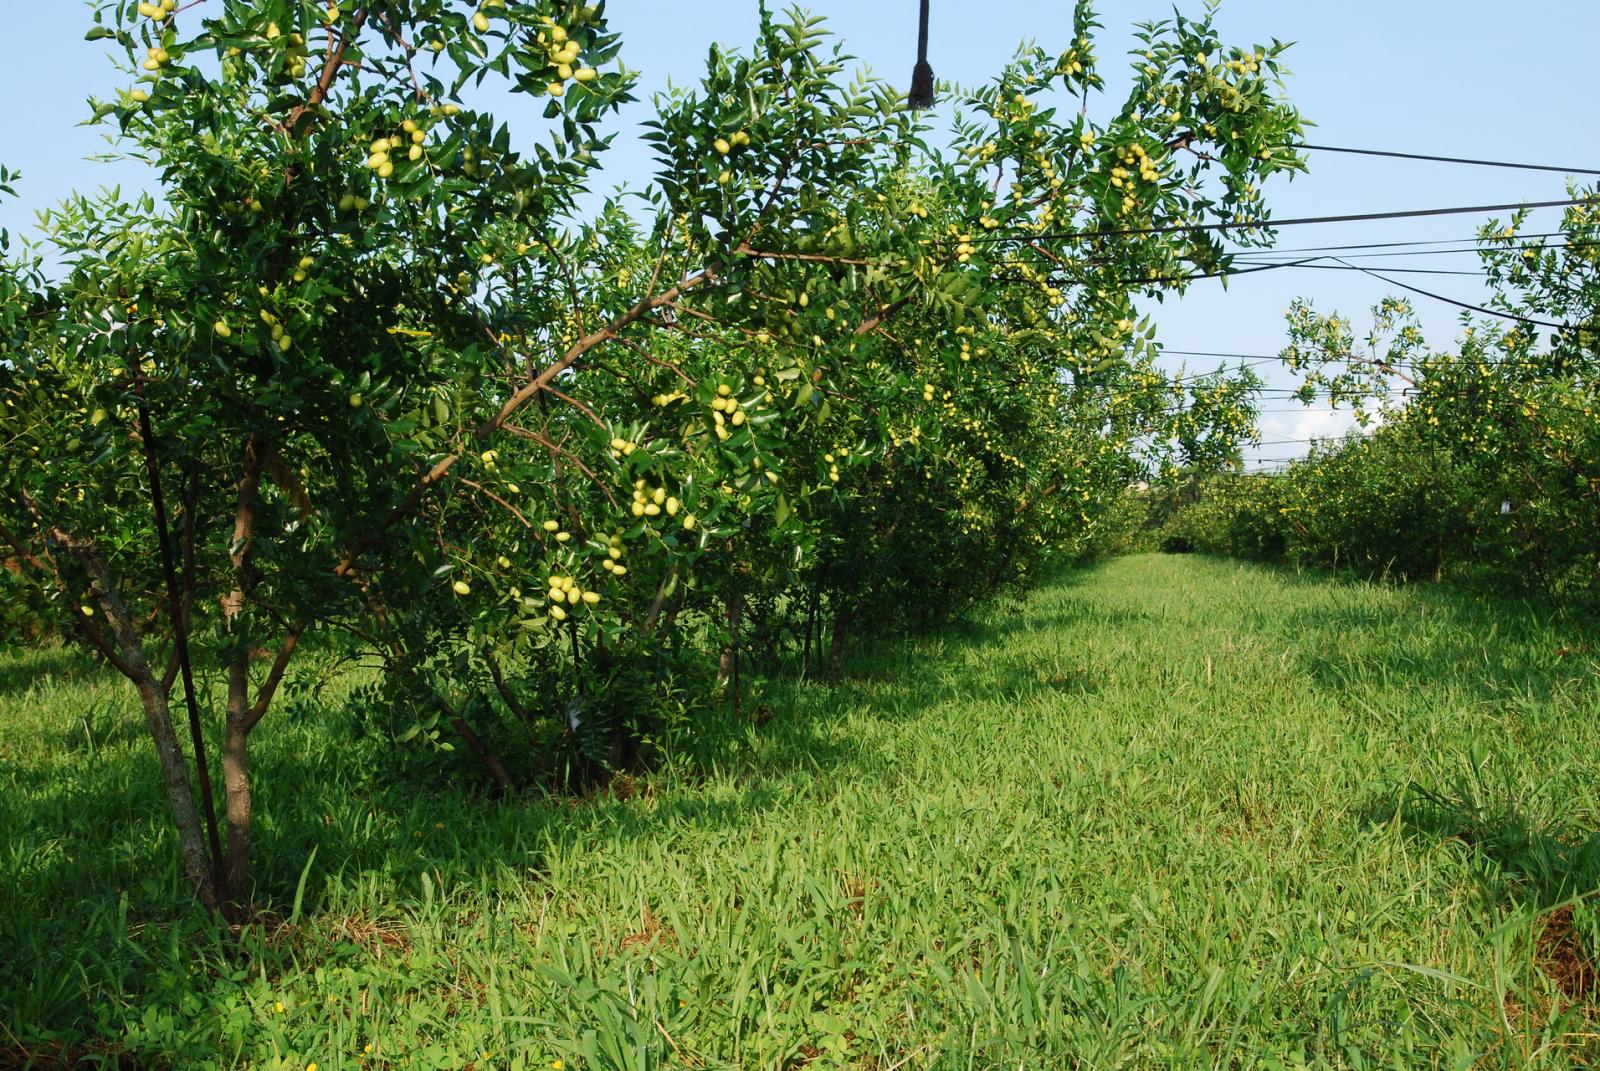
x,y
1170,813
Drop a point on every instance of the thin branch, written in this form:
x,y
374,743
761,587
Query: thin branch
x,y
525,433
590,413
515,512
269,687
820,258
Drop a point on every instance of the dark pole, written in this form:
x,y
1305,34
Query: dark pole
x,y
180,624
921,95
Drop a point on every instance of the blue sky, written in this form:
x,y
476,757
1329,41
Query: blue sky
x,y
1477,78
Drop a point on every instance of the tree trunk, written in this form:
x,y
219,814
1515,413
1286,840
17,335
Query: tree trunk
x,y
236,777
197,863
123,649
491,761
175,775
728,664
836,645
241,718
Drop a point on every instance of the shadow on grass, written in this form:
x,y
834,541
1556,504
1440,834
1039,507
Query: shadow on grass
x,y
1522,862
1490,644
1553,876
20,671
90,889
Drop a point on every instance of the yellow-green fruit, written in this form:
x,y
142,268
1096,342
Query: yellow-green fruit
x,y
688,522
591,597
222,329
721,145
558,613
461,587
552,526
355,401
584,74
503,562
480,22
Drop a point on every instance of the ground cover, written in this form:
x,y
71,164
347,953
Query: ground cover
x,y
1171,812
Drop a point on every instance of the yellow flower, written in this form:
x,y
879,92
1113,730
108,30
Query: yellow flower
x,y
278,1007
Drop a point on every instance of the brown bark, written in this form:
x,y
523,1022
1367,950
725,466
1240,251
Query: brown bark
x,y
836,644
506,694
241,717
728,664
236,779
158,716
490,760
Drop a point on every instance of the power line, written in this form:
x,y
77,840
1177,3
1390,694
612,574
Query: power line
x,y
1397,245
1536,247
1352,267
1447,159
1461,304
1300,221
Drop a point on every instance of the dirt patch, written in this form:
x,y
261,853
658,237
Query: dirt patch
x,y
1564,959
650,935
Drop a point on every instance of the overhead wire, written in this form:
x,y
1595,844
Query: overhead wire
x,y
1273,224
1462,304
1444,159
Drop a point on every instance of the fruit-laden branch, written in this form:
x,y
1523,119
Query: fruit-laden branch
x,y
521,397
482,490
525,433
330,70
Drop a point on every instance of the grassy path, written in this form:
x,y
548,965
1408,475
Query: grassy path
x,y
1170,813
